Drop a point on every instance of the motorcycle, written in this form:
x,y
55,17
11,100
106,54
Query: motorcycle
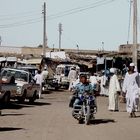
x,y
86,109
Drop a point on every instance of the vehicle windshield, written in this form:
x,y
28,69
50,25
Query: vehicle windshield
x,y
33,71
65,70
60,70
18,75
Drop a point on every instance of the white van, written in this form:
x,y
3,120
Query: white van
x,y
62,72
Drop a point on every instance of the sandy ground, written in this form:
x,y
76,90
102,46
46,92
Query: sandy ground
x,y
50,119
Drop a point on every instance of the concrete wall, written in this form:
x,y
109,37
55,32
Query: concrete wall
x,y
30,50
127,48
10,50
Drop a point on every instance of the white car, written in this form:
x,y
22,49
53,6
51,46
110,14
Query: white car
x,y
26,88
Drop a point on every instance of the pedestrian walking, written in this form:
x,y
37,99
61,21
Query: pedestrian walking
x,y
104,85
38,79
114,90
72,77
131,90
45,74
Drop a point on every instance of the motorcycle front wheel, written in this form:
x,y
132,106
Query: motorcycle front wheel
x,y
87,115
81,121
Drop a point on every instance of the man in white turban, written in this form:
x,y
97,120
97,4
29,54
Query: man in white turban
x,y
131,90
114,89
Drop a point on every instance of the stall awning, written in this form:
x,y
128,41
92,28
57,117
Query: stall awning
x,y
34,61
2,59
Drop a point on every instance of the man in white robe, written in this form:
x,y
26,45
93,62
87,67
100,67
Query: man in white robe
x,y
114,89
72,77
45,74
38,79
131,90
103,84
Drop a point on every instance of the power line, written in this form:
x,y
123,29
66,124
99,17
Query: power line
x,y
23,21
51,17
18,17
20,24
80,9
18,14
33,13
77,8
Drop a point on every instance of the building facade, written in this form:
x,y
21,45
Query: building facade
x,y
127,48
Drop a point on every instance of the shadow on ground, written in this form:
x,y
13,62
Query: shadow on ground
x,y
102,121
12,114
137,116
16,105
13,105
3,129
37,103
51,91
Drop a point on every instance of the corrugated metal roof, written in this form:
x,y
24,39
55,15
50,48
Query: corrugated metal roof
x,y
2,59
33,61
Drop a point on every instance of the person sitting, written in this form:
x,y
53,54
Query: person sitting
x,y
82,88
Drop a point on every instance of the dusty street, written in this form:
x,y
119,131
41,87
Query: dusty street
x,y
50,119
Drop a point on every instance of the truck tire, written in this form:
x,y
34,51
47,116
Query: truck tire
x,y
32,99
56,88
6,98
23,97
66,87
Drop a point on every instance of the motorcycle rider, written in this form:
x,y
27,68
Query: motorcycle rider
x,y
83,87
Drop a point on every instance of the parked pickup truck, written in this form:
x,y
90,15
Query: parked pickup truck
x,y
7,90
26,88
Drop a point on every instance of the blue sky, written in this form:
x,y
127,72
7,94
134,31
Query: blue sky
x,y
107,23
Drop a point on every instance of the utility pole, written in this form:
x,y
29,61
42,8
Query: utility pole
x,y
135,33
0,40
103,46
60,34
77,48
44,30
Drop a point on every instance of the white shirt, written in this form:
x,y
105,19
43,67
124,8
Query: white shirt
x,y
93,80
38,79
44,74
72,75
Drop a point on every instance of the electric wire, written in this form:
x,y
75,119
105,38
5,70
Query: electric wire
x,y
18,14
80,9
63,12
19,17
21,23
51,17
